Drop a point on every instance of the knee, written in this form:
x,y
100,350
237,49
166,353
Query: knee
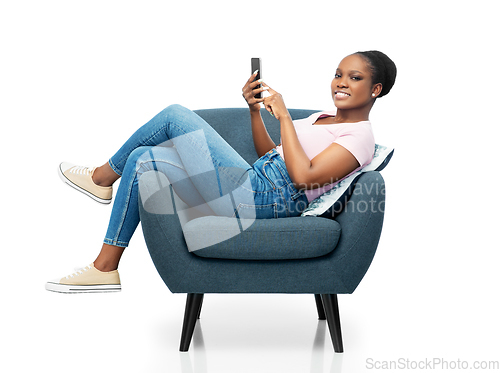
x,y
139,154
174,110
137,158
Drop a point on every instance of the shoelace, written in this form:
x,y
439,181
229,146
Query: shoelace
x,y
78,272
82,170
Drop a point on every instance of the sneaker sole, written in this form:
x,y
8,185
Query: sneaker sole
x,y
86,192
75,289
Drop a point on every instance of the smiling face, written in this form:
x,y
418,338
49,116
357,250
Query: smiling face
x,y
352,86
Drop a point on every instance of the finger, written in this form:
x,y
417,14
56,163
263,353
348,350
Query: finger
x,y
271,91
252,77
248,90
251,100
266,93
255,83
259,90
251,83
267,106
249,94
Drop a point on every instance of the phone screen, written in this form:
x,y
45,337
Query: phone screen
x,y
257,66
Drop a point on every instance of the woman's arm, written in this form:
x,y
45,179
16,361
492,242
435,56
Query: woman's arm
x,y
331,165
261,139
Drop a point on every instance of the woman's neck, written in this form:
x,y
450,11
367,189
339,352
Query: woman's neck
x,y
351,116
356,114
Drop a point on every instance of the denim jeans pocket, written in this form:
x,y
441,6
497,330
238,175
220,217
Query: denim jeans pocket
x,y
294,193
296,200
257,211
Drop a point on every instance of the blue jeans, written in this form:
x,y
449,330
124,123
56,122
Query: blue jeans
x,y
204,171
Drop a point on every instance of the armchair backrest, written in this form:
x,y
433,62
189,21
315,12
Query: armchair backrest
x,y
233,124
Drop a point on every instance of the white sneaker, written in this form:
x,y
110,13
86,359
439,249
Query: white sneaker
x,y
86,280
80,178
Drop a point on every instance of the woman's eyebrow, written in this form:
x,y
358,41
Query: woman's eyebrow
x,y
351,71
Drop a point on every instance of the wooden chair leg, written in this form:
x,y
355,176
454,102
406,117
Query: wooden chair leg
x,y
201,305
331,306
319,306
193,309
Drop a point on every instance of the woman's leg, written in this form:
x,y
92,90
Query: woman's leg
x,y
104,175
173,122
108,258
212,164
155,132
203,169
212,173
125,213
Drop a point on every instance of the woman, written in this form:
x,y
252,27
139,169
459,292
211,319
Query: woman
x,y
314,154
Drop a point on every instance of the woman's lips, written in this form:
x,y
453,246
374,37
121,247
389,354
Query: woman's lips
x,y
341,95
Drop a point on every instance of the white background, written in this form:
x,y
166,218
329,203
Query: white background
x,y
77,78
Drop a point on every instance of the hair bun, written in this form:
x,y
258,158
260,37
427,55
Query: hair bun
x,y
384,70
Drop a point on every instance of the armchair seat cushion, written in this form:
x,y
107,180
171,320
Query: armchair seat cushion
x,y
262,239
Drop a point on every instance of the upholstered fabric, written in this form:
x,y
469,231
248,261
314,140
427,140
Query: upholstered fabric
x,y
332,202
337,272
234,126
290,238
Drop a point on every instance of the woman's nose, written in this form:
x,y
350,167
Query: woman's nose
x,y
342,83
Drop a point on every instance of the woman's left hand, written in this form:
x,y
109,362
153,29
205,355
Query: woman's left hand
x,y
274,104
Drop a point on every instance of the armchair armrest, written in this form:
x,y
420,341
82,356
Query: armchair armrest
x,y
361,222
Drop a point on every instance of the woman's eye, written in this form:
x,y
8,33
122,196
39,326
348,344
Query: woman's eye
x,y
337,76
356,78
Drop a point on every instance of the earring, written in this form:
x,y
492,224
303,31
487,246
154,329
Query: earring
x,y
373,94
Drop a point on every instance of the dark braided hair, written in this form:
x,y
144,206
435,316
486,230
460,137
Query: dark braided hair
x,y
383,69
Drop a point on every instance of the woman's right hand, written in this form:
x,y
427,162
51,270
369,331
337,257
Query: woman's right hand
x,y
250,90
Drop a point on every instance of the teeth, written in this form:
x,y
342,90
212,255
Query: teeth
x,y
342,94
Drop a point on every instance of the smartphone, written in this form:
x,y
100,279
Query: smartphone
x,y
257,66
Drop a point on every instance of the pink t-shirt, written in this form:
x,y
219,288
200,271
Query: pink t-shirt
x,y
355,137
